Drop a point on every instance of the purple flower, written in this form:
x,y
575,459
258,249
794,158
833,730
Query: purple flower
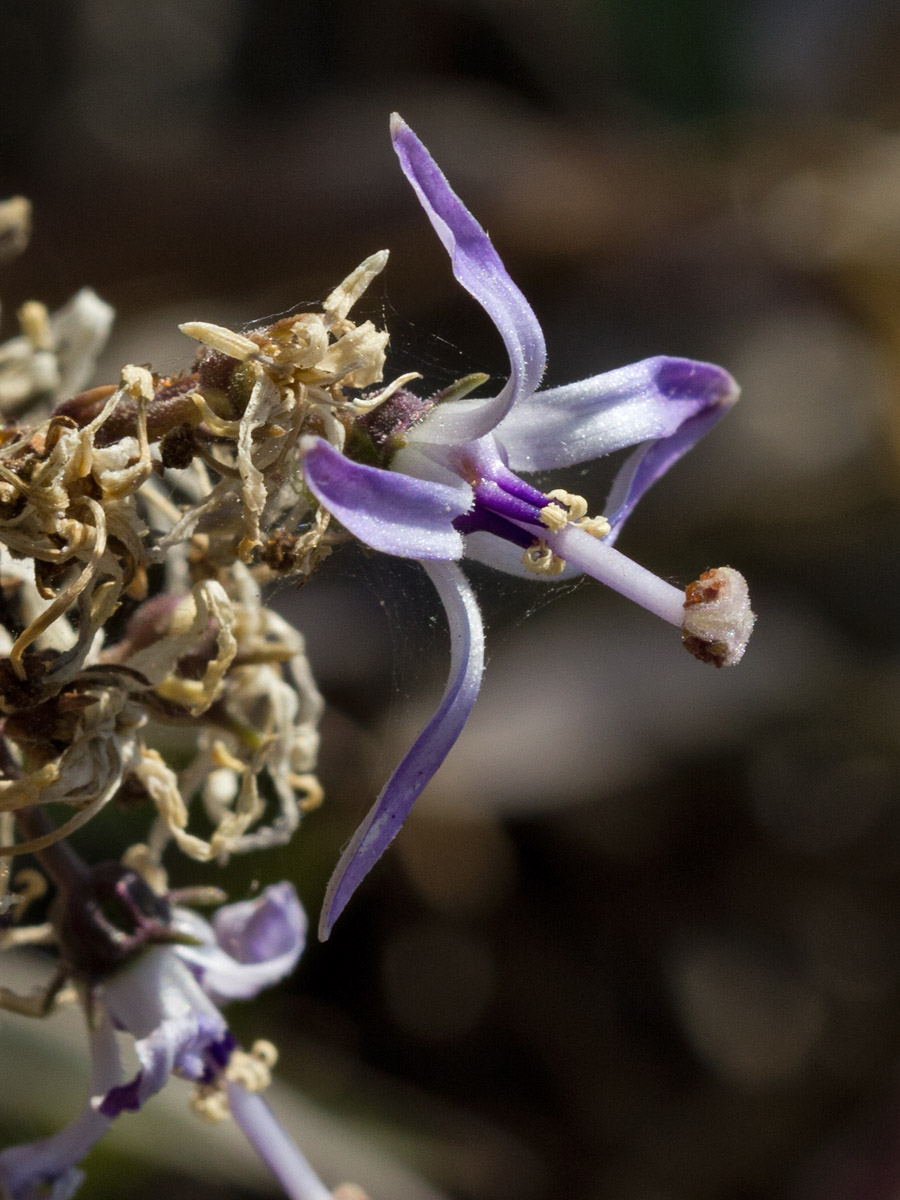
x,y
163,996
451,488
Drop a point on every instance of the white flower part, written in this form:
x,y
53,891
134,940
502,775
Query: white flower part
x,y
59,356
80,330
207,606
718,619
263,400
346,294
356,359
154,988
217,337
250,946
104,747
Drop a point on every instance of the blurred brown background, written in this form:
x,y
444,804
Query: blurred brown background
x,y
639,941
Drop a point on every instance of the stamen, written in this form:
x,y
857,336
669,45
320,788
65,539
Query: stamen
x,y
569,509
210,1101
540,560
597,527
308,783
368,404
247,1070
554,517
577,505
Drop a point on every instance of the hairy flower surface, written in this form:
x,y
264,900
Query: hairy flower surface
x,y
139,521
448,486
166,996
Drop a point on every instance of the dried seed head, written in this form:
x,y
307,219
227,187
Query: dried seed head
x,y
718,619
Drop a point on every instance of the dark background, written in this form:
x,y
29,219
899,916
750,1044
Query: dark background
x,y
640,940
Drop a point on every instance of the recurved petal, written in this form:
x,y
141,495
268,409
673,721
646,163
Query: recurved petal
x,y
582,421
477,266
430,749
649,463
388,511
257,942
49,1167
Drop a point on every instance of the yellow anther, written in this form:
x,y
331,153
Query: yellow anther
x,y
29,885
266,1052
141,858
576,505
223,757
35,322
566,509
252,1071
554,517
540,560
308,783
210,1101
597,527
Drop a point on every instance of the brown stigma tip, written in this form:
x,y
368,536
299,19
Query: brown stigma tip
x,y
718,619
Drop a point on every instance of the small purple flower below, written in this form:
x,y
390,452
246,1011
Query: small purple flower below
x,y
163,997
452,489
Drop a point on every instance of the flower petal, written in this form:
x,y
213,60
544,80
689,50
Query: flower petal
x,y
388,511
649,463
184,1045
477,266
257,942
583,421
429,750
177,1027
26,1172
267,1137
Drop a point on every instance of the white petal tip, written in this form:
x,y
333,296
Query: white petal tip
x,y
718,619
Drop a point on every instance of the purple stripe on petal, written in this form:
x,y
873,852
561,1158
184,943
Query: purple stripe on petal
x,y
583,421
649,463
477,266
390,512
429,750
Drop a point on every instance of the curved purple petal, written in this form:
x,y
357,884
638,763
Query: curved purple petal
x,y
583,421
477,266
649,463
429,750
183,1045
49,1166
267,1137
257,942
388,511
